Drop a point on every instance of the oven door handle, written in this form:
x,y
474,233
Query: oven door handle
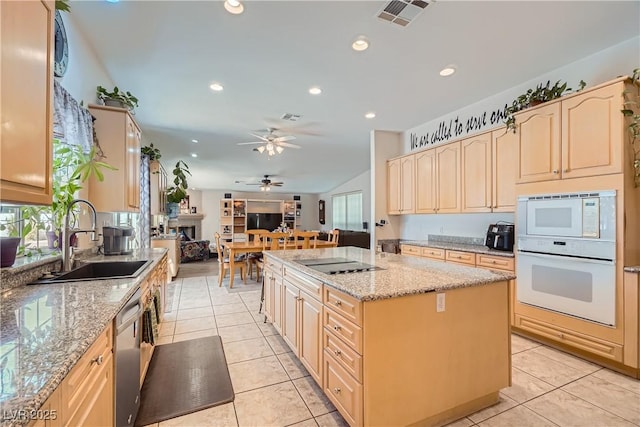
x,y
567,258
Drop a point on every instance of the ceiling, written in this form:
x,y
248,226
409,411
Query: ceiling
x,y
167,53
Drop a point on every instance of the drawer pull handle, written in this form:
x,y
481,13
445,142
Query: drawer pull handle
x,y
336,328
337,390
494,261
338,303
97,360
337,352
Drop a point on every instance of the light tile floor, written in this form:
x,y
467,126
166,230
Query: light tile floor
x,y
550,388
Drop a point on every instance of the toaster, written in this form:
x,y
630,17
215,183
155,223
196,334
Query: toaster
x,y
500,237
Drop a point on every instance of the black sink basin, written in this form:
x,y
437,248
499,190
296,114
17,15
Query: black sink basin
x,y
100,270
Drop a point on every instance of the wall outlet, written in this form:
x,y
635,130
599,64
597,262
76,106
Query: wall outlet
x,y
439,303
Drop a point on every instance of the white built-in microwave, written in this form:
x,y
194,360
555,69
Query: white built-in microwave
x,y
580,215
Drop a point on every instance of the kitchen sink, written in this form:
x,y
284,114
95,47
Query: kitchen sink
x,y
99,271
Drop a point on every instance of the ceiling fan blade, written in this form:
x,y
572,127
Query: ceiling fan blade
x,y
284,138
277,184
259,136
254,183
249,143
286,144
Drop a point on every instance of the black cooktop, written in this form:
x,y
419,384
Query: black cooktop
x,y
337,265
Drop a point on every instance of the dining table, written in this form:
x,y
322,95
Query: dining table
x,y
238,248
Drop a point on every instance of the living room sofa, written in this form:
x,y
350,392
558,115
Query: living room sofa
x,y
194,250
360,239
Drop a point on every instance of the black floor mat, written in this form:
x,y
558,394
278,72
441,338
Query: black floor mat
x,y
184,377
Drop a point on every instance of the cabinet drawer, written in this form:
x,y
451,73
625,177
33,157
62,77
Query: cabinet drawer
x,y
344,304
343,329
410,250
307,283
344,355
461,257
498,262
343,390
274,266
434,253
77,384
574,339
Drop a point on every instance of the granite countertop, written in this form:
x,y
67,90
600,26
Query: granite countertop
x,y
464,247
45,329
398,275
633,269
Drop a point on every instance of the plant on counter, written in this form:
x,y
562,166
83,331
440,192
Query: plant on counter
x,y
117,98
178,190
536,96
632,112
152,152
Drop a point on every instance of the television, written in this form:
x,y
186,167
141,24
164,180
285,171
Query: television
x,y
266,221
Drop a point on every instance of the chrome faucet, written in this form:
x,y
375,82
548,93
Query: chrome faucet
x,y
67,232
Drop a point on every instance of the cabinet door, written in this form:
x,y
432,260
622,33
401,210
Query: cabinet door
x,y
290,315
448,178
26,107
538,132
310,345
97,407
393,186
132,160
592,131
425,165
476,173
267,276
278,300
504,167
407,179
157,188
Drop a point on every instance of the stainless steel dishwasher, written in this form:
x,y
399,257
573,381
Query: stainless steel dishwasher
x,y
127,361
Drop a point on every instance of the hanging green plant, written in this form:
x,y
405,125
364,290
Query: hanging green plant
x,y
178,190
117,98
631,111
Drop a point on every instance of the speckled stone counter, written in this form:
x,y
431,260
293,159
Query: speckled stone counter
x,y
633,269
45,329
478,249
398,275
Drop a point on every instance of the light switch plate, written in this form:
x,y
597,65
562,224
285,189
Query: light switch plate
x,y
439,303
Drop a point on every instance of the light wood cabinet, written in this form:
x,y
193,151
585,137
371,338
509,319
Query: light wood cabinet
x,y
459,257
410,250
425,166
448,178
157,188
273,291
504,157
156,280
49,413
476,170
401,185
26,101
433,253
119,137
172,244
233,220
592,129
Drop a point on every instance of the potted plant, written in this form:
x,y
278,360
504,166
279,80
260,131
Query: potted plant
x,y
152,152
117,98
178,190
9,244
631,111
536,96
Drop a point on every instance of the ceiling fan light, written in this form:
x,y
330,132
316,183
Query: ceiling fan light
x,y
262,188
269,146
234,7
268,188
260,149
279,149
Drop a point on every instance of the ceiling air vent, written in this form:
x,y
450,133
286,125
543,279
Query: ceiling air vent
x,y
291,117
402,12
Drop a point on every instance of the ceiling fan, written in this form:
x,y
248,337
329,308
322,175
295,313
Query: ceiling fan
x,y
266,184
272,144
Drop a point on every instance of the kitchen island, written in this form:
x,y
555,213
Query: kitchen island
x,y
47,330
413,341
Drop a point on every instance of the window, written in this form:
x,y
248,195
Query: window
x,y
347,211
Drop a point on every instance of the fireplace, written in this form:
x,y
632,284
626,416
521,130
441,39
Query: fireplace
x,y
191,224
189,230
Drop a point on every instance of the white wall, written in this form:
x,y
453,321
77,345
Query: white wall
x,y
362,183
210,207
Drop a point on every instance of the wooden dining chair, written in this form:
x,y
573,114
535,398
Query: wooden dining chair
x,y
309,238
223,262
272,241
254,259
333,236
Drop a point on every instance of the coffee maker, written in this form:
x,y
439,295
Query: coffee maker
x,y
117,240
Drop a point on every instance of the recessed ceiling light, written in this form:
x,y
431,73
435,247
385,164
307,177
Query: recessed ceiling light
x,y
447,71
315,91
194,155
370,115
113,1
360,44
234,7
195,141
216,87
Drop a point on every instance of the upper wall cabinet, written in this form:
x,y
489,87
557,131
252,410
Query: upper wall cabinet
x,y
476,173
400,181
425,165
26,101
119,137
448,180
576,137
157,188
505,169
